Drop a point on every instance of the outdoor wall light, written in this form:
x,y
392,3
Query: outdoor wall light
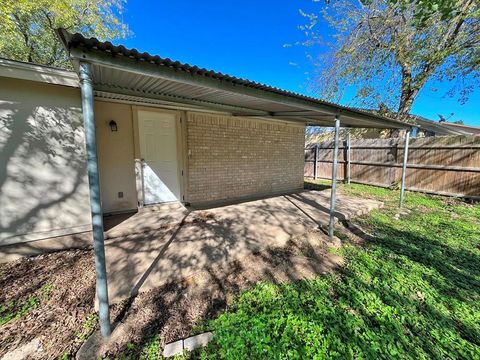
x,y
113,125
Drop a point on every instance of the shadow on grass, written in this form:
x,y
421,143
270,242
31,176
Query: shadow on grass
x,y
315,185
412,290
451,273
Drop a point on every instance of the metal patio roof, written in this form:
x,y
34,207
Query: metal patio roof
x,y
121,73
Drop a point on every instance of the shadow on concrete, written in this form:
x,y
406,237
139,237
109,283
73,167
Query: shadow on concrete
x,y
210,255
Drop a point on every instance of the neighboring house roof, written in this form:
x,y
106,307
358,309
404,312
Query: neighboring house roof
x,y
444,128
437,128
433,126
464,129
121,73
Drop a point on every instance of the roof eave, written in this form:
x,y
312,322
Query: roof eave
x,y
184,74
38,73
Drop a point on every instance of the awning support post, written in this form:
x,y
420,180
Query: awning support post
x,y
86,88
349,144
333,196
404,167
315,163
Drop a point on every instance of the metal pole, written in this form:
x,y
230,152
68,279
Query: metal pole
x,y
86,88
315,163
349,140
404,168
414,132
333,196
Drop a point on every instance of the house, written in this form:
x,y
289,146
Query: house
x,y
462,129
425,127
165,131
421,127
127,130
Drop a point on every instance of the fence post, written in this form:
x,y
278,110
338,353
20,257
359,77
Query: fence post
x,y
333,195
404,167
315,163
349,140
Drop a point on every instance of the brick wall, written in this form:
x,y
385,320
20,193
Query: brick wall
x,y
231,157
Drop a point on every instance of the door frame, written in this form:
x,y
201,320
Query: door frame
x,y
180,121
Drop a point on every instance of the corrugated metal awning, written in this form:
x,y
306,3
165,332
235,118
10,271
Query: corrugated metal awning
x,y
119,72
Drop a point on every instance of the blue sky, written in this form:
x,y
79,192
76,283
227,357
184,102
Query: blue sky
x,y
245,39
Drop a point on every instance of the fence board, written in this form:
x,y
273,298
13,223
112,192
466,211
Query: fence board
x,y
445,165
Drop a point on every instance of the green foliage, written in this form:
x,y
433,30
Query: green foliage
x,y
413,292
316,184
360,190
86,330
18,309
371,192
65,356
27,30
149,351
389,49
200,327
88,327
209,352
427,8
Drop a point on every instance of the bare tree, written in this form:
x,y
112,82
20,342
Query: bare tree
x,y
387,50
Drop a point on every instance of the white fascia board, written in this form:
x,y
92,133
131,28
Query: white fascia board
x,y
39,73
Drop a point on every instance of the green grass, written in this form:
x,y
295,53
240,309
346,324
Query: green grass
x,y
88,327
413,292
151,350
320,184
18,309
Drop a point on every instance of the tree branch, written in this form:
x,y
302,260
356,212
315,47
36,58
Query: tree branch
x,y
26,37
454,27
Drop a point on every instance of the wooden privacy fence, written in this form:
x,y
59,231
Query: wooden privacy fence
x,y
445,165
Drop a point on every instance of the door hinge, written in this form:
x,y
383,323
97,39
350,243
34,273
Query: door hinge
x,y
182,172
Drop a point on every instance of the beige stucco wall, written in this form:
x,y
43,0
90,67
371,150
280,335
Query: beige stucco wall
x,y
43,179
232,158
116,156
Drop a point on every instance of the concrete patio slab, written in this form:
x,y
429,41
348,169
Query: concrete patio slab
x,y
145,220
173,349
162,245
194,342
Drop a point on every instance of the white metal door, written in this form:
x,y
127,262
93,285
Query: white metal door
x,y
158,149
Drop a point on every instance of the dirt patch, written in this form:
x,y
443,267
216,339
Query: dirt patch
x,y
172,311
58,319
50,297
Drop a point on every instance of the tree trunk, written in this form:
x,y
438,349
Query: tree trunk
x,y
406,103
412,85
406,97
